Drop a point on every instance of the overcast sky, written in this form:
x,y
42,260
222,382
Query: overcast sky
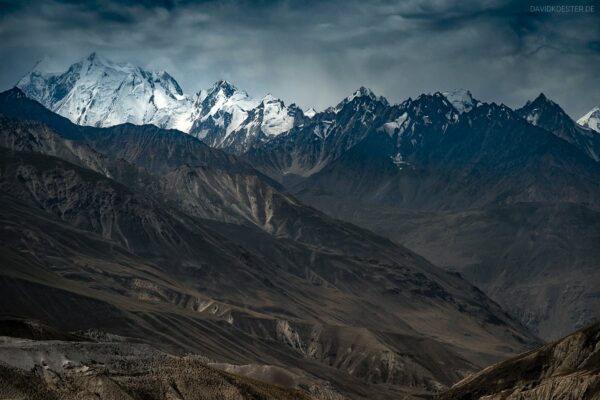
x,y
316,52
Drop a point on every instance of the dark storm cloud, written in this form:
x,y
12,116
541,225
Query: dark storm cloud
x,y
316,52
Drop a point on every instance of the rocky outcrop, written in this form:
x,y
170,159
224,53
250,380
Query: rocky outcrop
x,y
566,369
52,370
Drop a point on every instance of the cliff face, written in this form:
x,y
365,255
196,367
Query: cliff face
x,y
566,369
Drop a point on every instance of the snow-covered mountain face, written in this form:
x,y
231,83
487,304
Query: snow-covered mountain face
x,y
591,119
98,92
461,99
226,117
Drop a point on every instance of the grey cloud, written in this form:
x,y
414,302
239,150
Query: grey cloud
x,y
316,52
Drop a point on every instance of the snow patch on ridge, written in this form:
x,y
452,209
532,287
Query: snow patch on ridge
x,y
591,120
398,124
461,100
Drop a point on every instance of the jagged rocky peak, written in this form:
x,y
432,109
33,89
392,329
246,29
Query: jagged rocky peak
x,y
364,92
591,120
225,86
431,109
226,117
542,108
546,114
358,98
99,92
541,100
223,95
429,105
461,99
493,112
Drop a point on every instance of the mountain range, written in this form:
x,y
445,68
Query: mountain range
x,y
479,190
98,92
153,235
342,245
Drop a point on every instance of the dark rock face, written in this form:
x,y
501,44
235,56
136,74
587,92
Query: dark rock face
x,y
311,146
546,114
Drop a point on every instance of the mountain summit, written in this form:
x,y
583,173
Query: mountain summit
x,y
548,115
461,99
96,91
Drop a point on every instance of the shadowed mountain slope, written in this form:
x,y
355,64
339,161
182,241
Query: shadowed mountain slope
x,y
477,189
566,369
119,251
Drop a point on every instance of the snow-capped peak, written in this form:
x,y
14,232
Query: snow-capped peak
x,y
364,92
461,99
311,112
361,93
227,117
591,120
269,98
96,91
277,118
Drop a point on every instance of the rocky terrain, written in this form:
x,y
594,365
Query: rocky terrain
x,y
188,248
566,369
95,366
153,235
476,188
445,174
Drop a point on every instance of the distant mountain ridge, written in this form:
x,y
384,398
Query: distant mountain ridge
x,y
528,179
98,92
186,246
410,170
